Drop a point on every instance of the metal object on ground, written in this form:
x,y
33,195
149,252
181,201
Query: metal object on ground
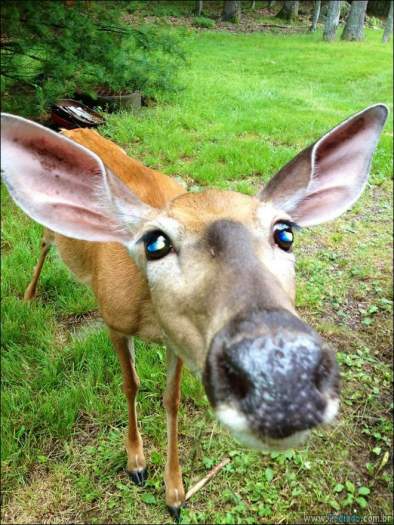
x,y
70,114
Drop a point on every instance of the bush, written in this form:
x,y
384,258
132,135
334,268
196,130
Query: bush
x,y
373,22
54,49
202,21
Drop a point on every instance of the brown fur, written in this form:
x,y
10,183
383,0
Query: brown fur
x,y
217,242
126,307
223,257
123,295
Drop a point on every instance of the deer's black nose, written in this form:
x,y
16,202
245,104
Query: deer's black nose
x,y
274,370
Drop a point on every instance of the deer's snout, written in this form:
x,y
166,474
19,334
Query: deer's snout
x,y
270,378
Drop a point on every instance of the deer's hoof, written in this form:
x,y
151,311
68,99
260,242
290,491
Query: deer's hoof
x,y
175,513
138,476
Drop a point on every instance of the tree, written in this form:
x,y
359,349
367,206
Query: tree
x,y
53,50
354,28
289,10
389,24
253,5
332,20
231,10
316,14
198,8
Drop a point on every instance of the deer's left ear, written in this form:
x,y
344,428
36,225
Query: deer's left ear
x,y
328,177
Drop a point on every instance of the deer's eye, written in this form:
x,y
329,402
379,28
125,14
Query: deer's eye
x,y
283,235
157,245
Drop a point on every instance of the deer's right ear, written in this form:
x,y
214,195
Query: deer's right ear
x,y
65,186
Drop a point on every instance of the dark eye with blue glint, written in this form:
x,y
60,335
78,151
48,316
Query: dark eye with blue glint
x,y
157,245
283,235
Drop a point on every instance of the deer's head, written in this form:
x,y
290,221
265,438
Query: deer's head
x,y
219,265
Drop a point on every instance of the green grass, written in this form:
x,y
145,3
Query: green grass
x,y
250,103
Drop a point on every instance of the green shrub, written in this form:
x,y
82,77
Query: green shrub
x,y
54,49
202,21
373,22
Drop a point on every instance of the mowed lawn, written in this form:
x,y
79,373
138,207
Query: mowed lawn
x,y
250,103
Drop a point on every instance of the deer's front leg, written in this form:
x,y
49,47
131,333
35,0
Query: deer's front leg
x,y
135,454
46,242
175,493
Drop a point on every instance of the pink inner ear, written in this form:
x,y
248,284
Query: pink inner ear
x,y
323,206
50,171
57,182
344,161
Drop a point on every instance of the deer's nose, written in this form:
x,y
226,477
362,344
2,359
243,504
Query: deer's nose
x,y
274,371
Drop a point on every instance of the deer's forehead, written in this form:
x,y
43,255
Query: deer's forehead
x,y
196,211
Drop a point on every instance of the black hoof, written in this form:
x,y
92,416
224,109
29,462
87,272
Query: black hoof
x,y
175,513
138,476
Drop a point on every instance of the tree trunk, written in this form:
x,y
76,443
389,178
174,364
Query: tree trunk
x,y
389,25
289,10
198,8
332,20
253,6
231,10
354,28
316,14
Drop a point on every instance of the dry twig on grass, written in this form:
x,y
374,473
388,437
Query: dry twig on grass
x,y
205,480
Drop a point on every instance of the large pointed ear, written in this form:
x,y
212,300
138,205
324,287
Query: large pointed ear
x,y
64,186
327,178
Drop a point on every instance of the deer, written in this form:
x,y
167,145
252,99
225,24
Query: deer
x,y
209,274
